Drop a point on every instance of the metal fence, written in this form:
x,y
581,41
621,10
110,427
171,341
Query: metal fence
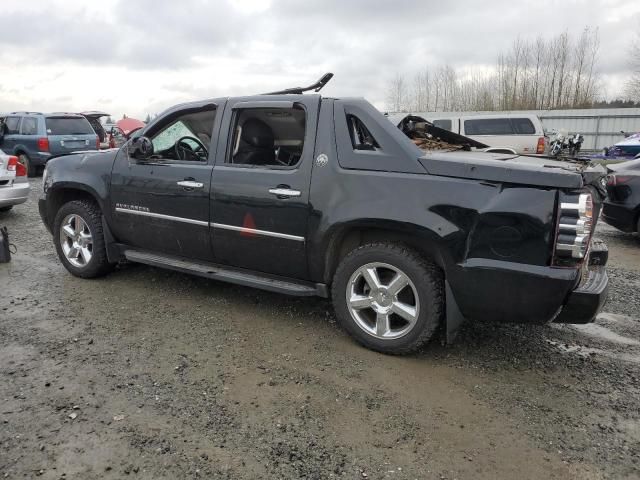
x,y
600,127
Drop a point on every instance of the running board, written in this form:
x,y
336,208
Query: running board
x,y
226,274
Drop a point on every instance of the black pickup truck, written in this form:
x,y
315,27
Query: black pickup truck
x,y
308,195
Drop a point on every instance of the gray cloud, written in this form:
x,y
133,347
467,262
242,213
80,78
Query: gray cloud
x,y
363,41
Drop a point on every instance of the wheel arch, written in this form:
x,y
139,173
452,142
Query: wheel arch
x,y
57,197
347,237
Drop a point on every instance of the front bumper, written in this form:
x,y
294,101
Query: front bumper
x,y
42,209
16,194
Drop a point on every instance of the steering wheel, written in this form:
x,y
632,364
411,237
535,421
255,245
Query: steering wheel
x,y
184,151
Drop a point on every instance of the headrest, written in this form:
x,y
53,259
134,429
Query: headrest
x,y
257,133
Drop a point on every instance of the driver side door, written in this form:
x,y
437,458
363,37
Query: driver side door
x,y
161,204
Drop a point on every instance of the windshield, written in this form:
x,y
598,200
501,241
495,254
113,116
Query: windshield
x,y
68,126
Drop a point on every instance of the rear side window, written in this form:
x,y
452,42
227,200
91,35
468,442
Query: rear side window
x,y
12,124
523,126
445,124
499,126
29,126
68,126
361,137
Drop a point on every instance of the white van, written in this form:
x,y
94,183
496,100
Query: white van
x,y
503,132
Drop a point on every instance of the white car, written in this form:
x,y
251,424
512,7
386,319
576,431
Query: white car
x,y
14,186
504,132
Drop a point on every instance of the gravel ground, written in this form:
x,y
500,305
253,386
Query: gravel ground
x,y
153,374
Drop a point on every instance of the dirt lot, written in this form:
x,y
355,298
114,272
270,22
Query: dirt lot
x,y
152,374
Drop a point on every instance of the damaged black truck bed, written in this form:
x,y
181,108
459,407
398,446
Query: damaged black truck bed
x,y
308,195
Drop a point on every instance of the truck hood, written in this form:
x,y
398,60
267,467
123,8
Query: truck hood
x,y
518,169
84,159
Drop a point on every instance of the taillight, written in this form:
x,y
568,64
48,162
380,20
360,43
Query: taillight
x,y
21,170
43,144
540,147
573,233
12,164
613,180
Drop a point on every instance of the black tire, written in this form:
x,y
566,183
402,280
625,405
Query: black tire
x,y
90,213
24,159
425,276
6,209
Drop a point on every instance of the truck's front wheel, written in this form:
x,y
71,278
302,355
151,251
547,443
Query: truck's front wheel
x,y
79,240
388,297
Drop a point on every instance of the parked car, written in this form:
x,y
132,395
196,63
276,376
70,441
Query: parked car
x,y
622,206
504,132
94,119
14,187
307,195
35,138
122,129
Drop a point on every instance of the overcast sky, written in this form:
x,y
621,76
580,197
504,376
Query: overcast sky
x,y
141,56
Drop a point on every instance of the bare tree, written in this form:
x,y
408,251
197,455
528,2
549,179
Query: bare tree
x,y
532,74
397,93
633,85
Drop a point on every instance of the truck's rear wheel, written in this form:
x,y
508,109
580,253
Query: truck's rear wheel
x,y
79,241
388,297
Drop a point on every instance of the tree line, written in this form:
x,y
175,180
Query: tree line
x,y
555,73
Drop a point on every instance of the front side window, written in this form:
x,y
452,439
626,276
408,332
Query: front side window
x,y
68,126
12,124
29,126
186,137
267,137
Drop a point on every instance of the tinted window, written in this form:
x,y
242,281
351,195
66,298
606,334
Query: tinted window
x,y
29,126
445,124
270,137
361,137
499,126
12,124
523,126
68,126
488,126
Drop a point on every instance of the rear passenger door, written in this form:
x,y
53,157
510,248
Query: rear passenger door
x,y
260,185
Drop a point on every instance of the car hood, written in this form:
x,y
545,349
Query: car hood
x,y
518,169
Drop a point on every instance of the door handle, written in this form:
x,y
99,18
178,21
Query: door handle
x,y
284,192
190,184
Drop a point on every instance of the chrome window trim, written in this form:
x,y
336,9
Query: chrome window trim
x,y
255,231
163,216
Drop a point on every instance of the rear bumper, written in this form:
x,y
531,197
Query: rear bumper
x,y
587,300
14,195
490,290
619,216
40,158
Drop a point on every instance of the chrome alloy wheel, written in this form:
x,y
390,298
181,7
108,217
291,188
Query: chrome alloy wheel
x,y
76,240
382,300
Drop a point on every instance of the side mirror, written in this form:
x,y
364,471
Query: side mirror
x,y
140,148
